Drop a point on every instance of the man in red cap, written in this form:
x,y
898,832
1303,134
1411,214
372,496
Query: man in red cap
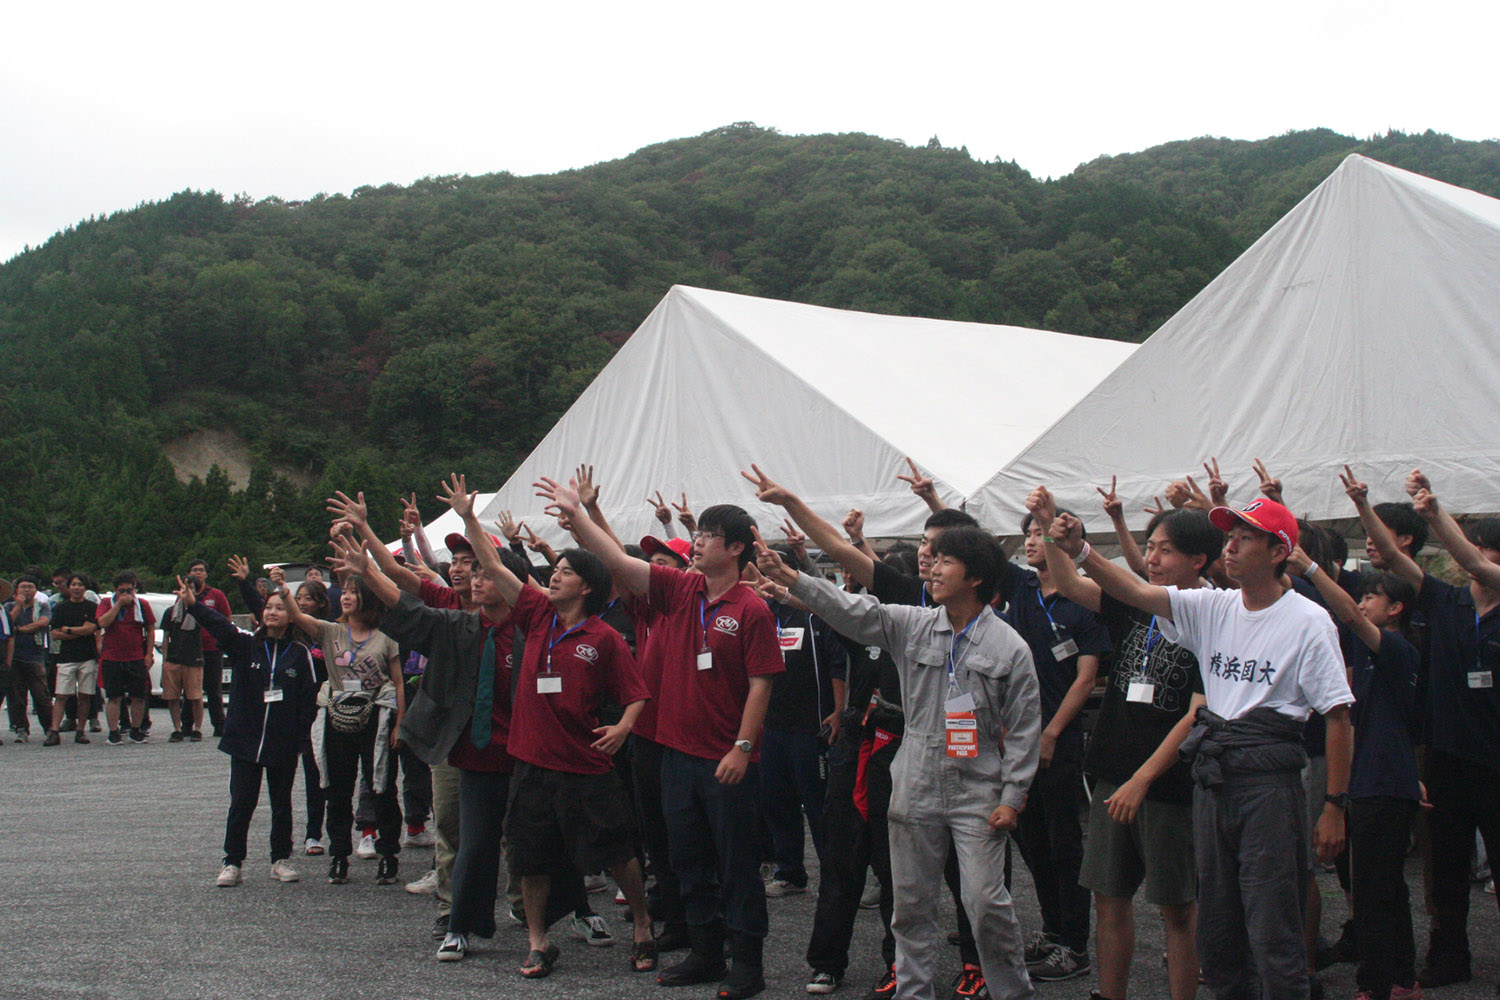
x,y
1269,658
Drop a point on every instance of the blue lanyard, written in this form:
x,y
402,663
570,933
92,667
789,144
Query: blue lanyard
x,y
954,656
924,595
1047,611
1152,638
272,658
552,643
355,647
703,607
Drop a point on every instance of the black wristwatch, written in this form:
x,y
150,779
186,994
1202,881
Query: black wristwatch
x,y
1339,801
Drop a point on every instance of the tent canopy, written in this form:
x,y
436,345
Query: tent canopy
x,y
826,401
1363,327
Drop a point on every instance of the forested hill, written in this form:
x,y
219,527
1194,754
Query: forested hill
x,y
379,338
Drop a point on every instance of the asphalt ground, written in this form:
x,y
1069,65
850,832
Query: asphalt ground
x,y
109,857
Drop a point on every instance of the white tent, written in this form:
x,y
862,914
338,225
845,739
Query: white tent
x,y
1363,327
446,523
825,400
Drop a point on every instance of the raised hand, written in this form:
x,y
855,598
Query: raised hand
x,y
1114,509
349,555
411,517
1426,503
1067,534
185,593
507,527
588,493
1178,493
1218,489
854,525
921,485
663,512
766,489
1196,497
1042,505
456,495
344,509
1269,485
278,575
239,568
794,538
770,564
1157,509
564,498
685,515
1358,492
1416,481
1298,561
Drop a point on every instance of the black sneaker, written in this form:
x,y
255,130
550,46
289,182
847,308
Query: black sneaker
x,y
146,724
693,970
139,736
52,739
338,871
386,873
885,988
744,981
80,737
1062,964
176,736
970,984
195,736
1445,970
114,738
440,927
218,731
1038,948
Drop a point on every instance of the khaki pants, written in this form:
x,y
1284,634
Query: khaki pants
x,y
445,824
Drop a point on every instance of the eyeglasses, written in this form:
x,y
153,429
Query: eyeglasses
x,y
707,534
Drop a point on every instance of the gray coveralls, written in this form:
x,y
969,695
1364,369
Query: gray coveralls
x,y
933,794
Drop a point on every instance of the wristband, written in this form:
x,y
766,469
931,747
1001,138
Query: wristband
x,y
1311,571
1083,554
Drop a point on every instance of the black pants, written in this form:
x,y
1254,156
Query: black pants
x,y
213,688
854,844
416,791
244,793
714,832
476,870
317,799
346,754
1379,833
665,898
1051,840
28,676
1465,797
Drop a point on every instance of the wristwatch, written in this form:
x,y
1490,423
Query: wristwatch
x,y
1339,801
744,746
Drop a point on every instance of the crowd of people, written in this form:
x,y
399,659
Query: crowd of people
x,y
682,713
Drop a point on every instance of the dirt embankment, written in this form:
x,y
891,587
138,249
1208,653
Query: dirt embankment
x,y
200,451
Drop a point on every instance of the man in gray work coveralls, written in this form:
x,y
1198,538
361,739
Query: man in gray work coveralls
x,y
966,679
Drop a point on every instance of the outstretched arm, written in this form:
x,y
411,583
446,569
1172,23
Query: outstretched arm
x,y
1114,509
1452,537
1336,597
825,536
349,556
1119,583
923,487
356,515
455,493
630,574
1396,561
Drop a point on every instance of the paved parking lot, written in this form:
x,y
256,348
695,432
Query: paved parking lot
x,y
109,856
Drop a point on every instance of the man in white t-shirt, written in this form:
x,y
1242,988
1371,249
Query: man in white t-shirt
x,y
1269,658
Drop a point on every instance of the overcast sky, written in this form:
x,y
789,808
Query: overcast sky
x,y
104,106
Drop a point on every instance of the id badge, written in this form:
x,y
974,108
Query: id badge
x,y
549,683
962,732
1064,649
705,659
791,639
1141,692
353,684
1481,679
228,676
274,694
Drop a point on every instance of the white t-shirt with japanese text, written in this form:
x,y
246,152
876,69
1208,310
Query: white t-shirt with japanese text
x,y
1284,657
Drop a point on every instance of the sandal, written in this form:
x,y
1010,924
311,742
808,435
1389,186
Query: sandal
x,y
643,956
538,964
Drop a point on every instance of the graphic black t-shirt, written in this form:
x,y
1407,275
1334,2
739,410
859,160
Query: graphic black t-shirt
x,y
81,648
802,697
1127,732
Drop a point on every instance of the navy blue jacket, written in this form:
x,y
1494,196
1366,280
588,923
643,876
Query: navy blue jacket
x,y
270,733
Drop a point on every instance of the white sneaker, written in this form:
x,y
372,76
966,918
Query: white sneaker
x,y
424,886
453,948
595,883
312,848
620,899
366,848
422,838
281,871
593,931
229,875
781,887
870,898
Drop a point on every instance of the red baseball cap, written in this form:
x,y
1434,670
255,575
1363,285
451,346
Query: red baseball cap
x,y
458,540
1263,515
679,547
